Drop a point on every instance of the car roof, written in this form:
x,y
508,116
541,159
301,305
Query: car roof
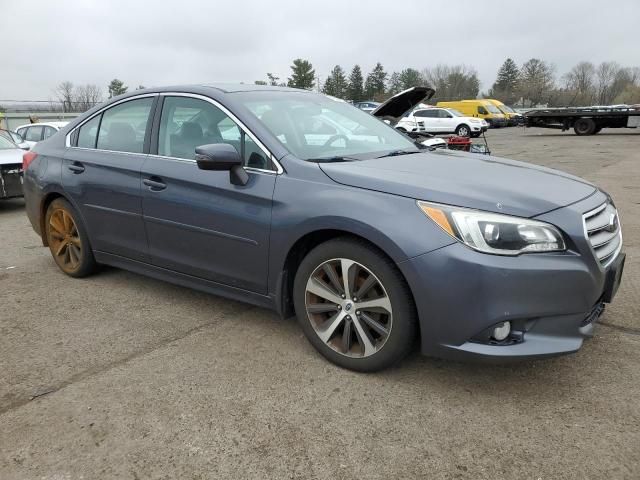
x,y
50,124
244,87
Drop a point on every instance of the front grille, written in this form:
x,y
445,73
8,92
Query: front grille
x,y
421,125
602,227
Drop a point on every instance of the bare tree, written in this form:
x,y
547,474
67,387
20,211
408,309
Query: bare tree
x,y
606,75
537,81
86,97
64,93
452,82
580,83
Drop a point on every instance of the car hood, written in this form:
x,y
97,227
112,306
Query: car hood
x,y
13,155
467,180
397,106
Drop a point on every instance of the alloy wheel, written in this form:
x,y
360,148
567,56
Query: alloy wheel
x,y
348,307
64,240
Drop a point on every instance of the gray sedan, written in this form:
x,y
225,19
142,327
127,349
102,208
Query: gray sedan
x,y
372,241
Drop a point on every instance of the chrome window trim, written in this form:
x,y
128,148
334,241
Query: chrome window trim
x,y
278,170
617,251
67,142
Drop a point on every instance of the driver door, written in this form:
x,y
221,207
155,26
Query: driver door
x,y
197,222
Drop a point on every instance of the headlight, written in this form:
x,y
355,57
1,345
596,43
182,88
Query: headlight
x,y
494,233
475,120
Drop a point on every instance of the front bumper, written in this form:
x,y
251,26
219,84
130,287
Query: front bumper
x,y
11,181
549,298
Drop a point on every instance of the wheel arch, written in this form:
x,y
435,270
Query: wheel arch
x,y
47,199
301,247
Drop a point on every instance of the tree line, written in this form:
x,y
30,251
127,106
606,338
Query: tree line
x,y
533,83
530,84
80,98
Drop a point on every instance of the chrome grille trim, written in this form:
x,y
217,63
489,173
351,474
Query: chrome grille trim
x,y
605,243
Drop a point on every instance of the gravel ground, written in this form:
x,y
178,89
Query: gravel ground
x,y
121,376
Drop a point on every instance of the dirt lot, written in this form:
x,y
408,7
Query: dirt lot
x,y
120,376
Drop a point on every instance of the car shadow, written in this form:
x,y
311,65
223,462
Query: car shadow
x,y
11,205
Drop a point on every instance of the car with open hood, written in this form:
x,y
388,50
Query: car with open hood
x,y
369,240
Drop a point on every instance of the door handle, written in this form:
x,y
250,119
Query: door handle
x,y
76,167
154,184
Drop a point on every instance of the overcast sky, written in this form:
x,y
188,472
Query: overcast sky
x,y
188,41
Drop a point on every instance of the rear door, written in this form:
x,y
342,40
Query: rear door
x,y
430,119
33,134
448,121
101,171
197,222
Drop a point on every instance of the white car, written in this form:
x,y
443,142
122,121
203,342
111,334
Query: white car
x,y
10,169
35,132
442,120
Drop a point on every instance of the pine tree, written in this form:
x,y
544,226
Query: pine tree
x,y
375,84
356,89
507,81
117,87
302,74
410,77
336,84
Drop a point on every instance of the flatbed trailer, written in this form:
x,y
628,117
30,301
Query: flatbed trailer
x,y
584,120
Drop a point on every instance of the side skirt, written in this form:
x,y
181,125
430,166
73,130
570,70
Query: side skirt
x,y
184,280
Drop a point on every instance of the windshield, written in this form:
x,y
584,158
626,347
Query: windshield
x,y
492,108
319,127
507,109
454,112
6,144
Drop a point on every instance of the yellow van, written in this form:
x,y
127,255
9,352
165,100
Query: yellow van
x,y
480,109
513,117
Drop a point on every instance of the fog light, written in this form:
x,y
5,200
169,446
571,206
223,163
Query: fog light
x,y
501,331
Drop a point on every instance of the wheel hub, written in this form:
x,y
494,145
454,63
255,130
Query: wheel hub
x,y
336,290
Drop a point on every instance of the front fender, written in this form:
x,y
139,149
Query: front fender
x,y
392,223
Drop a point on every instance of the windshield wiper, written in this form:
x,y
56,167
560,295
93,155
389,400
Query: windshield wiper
x,y
333,159
395,153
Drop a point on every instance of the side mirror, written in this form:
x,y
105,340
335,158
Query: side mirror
x,y
220,157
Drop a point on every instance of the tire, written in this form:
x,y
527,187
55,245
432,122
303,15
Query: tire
x,y
401,129
68,240
584,126
463,130
350,333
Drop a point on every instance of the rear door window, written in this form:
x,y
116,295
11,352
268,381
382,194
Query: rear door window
x,y
34,134
124,126
48,131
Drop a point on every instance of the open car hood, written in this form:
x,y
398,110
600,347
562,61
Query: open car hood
x,y
395,108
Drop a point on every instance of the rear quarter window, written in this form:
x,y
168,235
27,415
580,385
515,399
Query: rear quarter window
x,y
88,133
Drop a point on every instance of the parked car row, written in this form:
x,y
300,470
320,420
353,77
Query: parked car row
x,y
467,118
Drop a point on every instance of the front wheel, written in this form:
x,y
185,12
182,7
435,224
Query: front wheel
x,y
463,131
68,241
354,305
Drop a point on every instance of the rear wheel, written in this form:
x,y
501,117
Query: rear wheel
x,y
584,126
463,131
354,306
68,240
